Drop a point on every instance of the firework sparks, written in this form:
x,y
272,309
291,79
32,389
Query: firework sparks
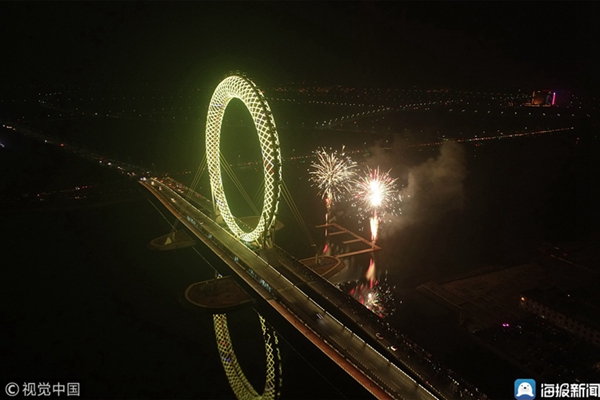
x,y
332,175
377,296
374,222
370,275
377,195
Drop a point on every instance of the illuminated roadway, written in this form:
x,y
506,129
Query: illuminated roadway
x,y
358,357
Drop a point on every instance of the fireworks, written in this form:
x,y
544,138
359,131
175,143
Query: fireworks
x,y
374,222
370,275
377,296
377,195
333,174
377,192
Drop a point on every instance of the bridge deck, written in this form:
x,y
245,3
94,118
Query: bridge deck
x,y
377,373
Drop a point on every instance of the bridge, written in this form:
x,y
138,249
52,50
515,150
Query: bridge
x,y
342,344
327,317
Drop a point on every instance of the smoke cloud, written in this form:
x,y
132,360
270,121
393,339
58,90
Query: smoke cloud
x,y
433,188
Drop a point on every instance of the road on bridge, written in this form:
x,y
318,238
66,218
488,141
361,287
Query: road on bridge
x,y
273,286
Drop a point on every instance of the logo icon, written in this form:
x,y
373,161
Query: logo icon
x,y
12,389
525,389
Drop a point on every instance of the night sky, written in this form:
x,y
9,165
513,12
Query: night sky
x,y
431,44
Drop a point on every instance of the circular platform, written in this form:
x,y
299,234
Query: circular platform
x,y
217,295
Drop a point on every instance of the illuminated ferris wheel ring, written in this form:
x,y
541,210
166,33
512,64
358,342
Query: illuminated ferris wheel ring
x,y
240,385
242,88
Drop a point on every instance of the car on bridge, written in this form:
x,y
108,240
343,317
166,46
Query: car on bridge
x,y
379,336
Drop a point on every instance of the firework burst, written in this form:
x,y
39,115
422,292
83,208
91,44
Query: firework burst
x,y
376,195
376,296
332,175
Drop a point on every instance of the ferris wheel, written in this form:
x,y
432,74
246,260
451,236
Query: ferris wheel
x,y
242,88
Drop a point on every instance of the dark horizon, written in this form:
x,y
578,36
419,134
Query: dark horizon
x,y
456,44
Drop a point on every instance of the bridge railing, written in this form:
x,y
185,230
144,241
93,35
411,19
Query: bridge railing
x,y
331,292
328,289
227,250
340,350
364,317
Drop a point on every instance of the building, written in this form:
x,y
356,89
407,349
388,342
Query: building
x,y
576,311
543,98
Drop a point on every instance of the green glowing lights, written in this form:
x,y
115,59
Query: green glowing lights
x,y
242,88
240,385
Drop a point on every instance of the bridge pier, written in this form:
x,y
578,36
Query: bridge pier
x,y
172,241
217,296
